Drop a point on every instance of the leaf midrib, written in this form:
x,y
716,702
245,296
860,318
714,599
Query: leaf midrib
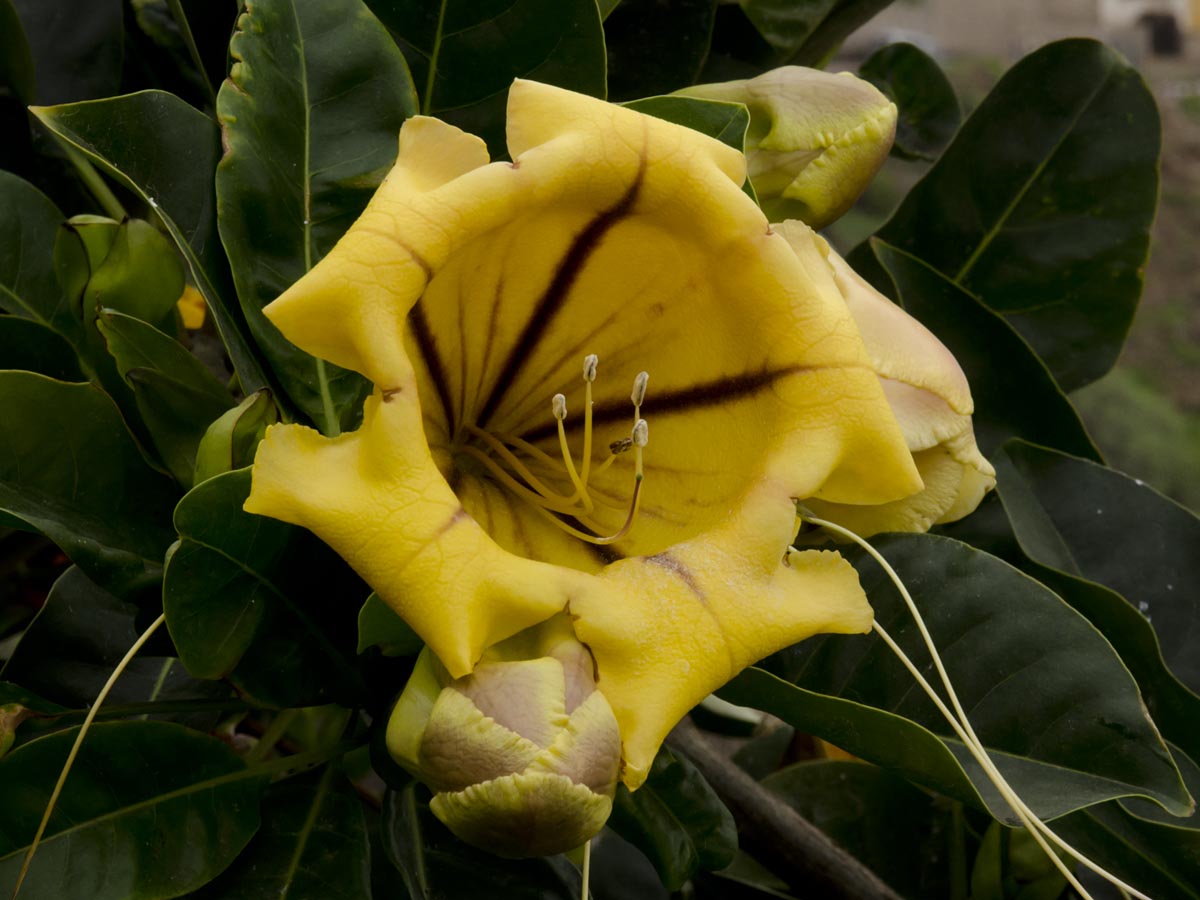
x,y
1000,223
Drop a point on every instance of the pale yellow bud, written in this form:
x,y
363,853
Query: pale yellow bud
x,y
522,754
815,139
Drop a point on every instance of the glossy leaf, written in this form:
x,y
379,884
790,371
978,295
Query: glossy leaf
x,y
727,122
1092,523
176,395
676,820
257,600
655,47
70,648
1041,206
435,865
76,47
1153,852
33,347
166,152
1045,692
906,837
929,110
1016,398
150,810
805,32
28,287
313,843
69,469
309,118
379,627
464,55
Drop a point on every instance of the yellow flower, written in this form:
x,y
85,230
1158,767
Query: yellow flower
x,y
928,394
815,139
504,312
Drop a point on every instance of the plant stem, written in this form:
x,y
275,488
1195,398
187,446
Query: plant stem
x,y
775,833
95,184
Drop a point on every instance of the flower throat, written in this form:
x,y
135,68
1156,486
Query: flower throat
x,y
524,469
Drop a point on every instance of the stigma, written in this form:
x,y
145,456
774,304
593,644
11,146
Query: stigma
x,y
557,486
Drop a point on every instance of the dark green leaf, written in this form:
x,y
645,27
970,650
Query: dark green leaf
x,y
1045,692
28,287
804,32
75,45
727,122
176,395
1136,842
656,47
166,152
464,54
435,865
16,63
32,347
309,118
379,626
313,844
1018,397
1041,206
901,833
677,820
1127,557
69,469
929,110
150,810
71,647
260,601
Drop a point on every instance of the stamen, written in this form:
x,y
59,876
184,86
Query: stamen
x,y
966,733
559,405
639,393
530,475
590,362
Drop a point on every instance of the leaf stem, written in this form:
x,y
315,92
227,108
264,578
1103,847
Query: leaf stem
x,y
93,181
185,30
83,730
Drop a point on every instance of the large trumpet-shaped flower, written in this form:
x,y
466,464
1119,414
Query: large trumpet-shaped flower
x,y
478,504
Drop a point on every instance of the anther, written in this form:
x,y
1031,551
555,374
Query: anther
x,y
590,362
620,446
639,388
559,405
641,433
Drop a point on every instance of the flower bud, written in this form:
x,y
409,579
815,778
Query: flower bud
x,y
815,139
230,441
522,754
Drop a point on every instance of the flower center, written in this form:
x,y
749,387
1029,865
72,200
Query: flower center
x,y
533,476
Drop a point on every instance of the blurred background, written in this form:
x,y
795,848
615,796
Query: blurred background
x,y
1145,415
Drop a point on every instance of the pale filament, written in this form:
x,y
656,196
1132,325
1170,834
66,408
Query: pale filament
x,y
527,471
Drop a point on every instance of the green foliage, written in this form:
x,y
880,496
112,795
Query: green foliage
x,y
676,820
1042,204
309,117
929,110
165,155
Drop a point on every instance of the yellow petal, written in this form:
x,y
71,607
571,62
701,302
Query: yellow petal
x,y
928,394
671,629
471,299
